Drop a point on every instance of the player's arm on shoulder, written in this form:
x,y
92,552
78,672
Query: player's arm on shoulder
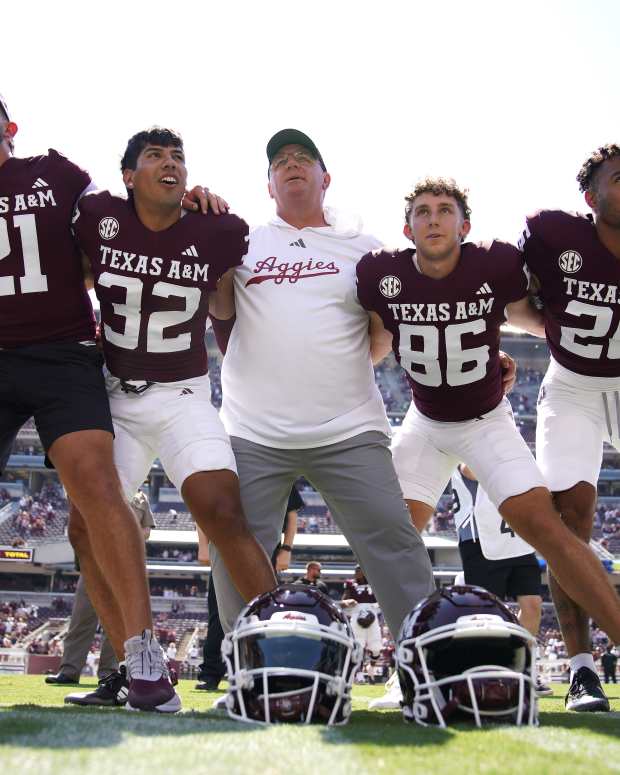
x,y
380,338
200,199
523,314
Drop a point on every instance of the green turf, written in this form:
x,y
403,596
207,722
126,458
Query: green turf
x,y
39,734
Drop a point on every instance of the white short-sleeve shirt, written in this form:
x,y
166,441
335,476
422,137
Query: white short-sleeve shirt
x,y
297,373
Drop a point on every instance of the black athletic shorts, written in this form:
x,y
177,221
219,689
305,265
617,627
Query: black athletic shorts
x,y
60,384
505,578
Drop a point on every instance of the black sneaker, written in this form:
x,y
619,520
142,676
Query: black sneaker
x,y
543,689
62,679
112,691
209,684
586,692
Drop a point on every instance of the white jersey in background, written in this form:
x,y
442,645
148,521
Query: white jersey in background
x,y
477,519
293,376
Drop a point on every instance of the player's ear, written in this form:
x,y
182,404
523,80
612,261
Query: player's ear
x,y
590,197
465,229
408,233
270,191
128,178
326,181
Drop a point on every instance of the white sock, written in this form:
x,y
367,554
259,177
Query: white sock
x,y
581,660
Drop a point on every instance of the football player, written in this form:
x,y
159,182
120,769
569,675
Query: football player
x,y
494,556
440,307
50,369
576,260
157,275
361,605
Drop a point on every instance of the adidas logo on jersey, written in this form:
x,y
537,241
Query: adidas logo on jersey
x,y
190,251
186,392
484,288
297,244
40,183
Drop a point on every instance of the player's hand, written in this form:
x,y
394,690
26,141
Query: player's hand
x,y
283,560
201,199
348,602
509,371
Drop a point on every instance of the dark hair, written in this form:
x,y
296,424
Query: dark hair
x,y
587,173
156,135
437,186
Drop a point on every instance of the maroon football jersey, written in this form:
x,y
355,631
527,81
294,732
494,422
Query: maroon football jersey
x,y
361,592
446,332
42,293
153,286
580,289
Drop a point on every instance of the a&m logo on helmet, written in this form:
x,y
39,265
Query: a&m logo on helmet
x,y
108,228
570,261
390,286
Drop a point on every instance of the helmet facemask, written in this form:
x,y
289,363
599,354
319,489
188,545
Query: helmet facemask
x,y
481,667
291,669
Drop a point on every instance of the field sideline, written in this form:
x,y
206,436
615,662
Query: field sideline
x,y
39,734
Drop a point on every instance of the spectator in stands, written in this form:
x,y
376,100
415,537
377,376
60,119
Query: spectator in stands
x,y
313,577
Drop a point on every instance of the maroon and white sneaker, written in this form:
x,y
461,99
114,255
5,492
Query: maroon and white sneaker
x,y
150,688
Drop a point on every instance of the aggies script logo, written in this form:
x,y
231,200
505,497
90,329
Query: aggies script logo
x,y
270,269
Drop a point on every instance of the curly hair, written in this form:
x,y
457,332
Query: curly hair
x,y
437,186
593,163
156,135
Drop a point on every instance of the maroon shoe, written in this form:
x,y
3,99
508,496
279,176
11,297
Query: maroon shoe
x,y
156,695
150,686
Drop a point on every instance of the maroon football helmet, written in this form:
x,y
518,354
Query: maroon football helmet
x,y
291,657
463,655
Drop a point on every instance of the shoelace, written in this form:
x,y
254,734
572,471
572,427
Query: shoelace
x,y
158,660
145,656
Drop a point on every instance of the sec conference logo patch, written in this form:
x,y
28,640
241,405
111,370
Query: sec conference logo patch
x,y
570,261
108,228
390,286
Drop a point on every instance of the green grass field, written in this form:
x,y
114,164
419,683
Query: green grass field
x,y
39,734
